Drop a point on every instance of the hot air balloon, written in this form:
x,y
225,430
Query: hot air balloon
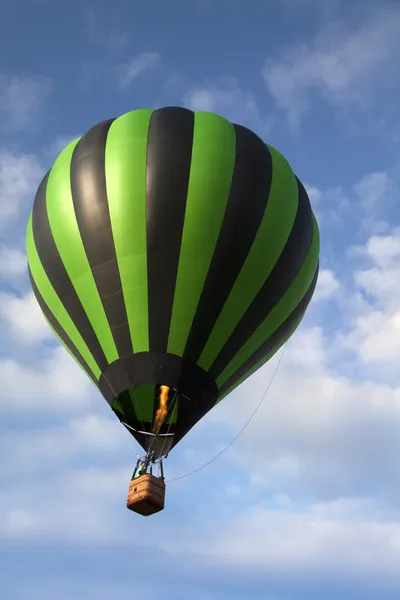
x,y
172,253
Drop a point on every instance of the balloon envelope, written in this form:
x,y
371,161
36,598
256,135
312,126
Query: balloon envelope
x,y
172,253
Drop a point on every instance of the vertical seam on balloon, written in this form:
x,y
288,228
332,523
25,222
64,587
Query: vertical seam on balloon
x,y
212,159
90,201
127,207
168,159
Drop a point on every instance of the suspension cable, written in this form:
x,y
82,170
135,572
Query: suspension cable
x,y
241,430
115,397
169,414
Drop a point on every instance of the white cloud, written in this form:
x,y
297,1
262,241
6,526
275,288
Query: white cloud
x,y
74,505
329,205
45,449
307,349
327,285
20,175
385,250
87,507
381,284
13,263
371,196
373,189
130,71
21,99
314,193
339,66
377,337
57,385
376,332
24,318
320,539
375,192
226,97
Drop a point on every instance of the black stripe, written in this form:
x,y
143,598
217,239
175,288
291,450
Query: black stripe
x,y
247,201
60,331
89,194
280,279
58,276
274,341
169,153
157,369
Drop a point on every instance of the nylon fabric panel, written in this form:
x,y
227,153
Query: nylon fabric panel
x,y
56,287
125,170
59,332
275,228
116,406
248,197
211,171
89,196
142,398
279,281
169,152
279,313
272,345
69,243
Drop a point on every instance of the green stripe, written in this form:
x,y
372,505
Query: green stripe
x,y
125,169
280,312
53,302
116,405
262,362
142,397
213,160
271,238
69,243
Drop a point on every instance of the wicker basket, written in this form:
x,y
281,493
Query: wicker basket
x,y
146,495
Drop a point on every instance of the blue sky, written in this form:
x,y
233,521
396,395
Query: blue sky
x,y
305,504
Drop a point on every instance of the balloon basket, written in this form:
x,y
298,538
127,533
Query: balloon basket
x,y
146,495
